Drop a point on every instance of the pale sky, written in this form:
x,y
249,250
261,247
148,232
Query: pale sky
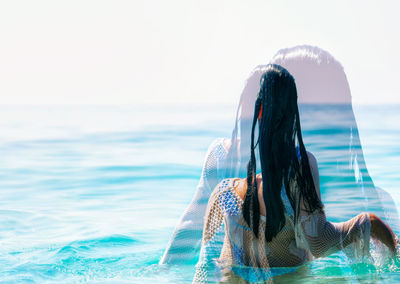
x,y
130,52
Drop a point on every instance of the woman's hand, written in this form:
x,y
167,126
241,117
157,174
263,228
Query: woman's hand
x,y
381,231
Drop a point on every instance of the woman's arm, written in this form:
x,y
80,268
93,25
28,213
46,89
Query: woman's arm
x,y
185,242
323,238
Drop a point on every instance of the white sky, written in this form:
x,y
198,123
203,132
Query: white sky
x,y
120,52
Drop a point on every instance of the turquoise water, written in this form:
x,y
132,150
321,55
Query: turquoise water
x,y
93,193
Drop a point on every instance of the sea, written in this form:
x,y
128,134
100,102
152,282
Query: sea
x,y
92,193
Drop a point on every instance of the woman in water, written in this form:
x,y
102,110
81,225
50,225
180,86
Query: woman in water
x,y
321,85
276,218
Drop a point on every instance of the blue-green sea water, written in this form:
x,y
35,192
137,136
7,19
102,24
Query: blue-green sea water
x,y
93,193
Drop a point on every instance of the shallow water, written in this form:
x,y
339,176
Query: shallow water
x,y
92,193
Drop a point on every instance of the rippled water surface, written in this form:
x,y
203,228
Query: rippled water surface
x,y
92,193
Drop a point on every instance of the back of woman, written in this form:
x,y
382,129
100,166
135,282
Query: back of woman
x,y
277,219
243,247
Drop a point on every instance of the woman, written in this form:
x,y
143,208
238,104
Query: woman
x,y
321,80
276,218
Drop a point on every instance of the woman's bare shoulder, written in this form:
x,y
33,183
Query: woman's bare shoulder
x,y
241,185
312,161
314,171
311,156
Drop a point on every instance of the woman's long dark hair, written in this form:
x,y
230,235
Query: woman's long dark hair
x,y
283,157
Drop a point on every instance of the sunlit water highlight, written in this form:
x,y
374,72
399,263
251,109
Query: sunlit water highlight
x,y
92,193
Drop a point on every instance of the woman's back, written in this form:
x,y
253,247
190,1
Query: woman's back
x,y
296,243
257,252
281,221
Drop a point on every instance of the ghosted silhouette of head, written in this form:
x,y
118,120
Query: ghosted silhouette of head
x,y
319,77
325,104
